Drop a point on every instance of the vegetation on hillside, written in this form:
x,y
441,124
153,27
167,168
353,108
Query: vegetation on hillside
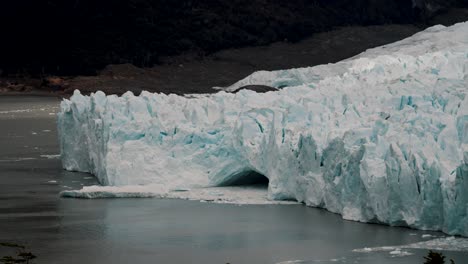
x,y
82,36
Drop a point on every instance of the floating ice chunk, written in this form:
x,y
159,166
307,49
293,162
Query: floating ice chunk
x,y
17,160
381,137
400,253
446,243
291,261
93,192
52,156
16,111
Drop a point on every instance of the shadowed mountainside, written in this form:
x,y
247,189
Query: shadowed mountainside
x,y
182,75
83,36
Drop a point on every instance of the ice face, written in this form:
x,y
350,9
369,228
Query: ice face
x,y
381,137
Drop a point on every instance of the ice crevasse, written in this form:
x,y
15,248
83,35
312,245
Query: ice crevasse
x,y
381,137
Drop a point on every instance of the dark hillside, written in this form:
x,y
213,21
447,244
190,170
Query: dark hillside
x,y
82,36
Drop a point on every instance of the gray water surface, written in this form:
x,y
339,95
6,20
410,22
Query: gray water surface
x,y
62,230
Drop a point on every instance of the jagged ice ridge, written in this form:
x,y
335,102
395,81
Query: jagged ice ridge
x,y
381,137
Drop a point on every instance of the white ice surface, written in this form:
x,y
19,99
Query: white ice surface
x,y
381,137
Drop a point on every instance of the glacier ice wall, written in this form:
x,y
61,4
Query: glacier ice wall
x,y
381,137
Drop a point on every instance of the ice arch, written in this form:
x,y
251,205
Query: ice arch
x,y
246,177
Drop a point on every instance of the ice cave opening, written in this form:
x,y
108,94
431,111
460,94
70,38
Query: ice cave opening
x,y
247,177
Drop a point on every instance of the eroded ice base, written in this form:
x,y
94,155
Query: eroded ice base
x,y
381,137
251,194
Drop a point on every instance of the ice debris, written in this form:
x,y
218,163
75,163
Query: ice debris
x,y
445,243
381,137
50,156
226,195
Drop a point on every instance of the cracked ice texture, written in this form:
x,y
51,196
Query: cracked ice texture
x,y
381,137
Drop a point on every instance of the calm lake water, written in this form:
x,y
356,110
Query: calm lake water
x,y
62,230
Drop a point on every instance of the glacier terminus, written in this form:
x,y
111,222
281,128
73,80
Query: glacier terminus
x,y
381,137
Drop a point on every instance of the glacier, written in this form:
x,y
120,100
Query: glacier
x,y
381,137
